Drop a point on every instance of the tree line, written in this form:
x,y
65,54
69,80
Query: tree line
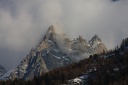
x,y
111,69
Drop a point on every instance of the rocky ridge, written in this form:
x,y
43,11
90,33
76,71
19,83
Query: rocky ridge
x,y
56,50
46,56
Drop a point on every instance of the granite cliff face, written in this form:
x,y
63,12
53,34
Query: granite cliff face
x,y
56,50
97,45
46,56
51,52
32,65
80,48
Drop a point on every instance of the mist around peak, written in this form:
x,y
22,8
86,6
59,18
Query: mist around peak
x,y
24,22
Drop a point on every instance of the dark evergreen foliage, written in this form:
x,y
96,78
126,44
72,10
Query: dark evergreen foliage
x,y
110,70
124,44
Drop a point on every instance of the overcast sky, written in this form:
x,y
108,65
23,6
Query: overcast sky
x,y
24,22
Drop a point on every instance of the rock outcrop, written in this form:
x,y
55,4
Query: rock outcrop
x,y
56,50
46,56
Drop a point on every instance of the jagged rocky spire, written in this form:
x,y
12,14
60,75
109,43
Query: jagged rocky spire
x,y
96,38
50,34
97,44
51,29
48,55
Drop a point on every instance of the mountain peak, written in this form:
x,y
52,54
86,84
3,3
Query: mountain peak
x,y
96,38
55,50
50,34
97,44
80,39
95,41
51,29
95,35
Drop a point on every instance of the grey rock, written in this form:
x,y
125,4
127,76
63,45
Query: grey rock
x,y
2,71
97,45
46,56
56,50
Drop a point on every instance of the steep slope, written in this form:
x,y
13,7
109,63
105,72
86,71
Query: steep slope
x,y
79,48
44,57
97,45
55,50
51,53
2,71
80,45
32,65
6,75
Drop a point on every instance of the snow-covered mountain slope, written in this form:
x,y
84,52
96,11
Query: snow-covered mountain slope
x,y
2,71
114,70
79,80
6,75
55,50
97,45
79,48
52,54
32,65
46,56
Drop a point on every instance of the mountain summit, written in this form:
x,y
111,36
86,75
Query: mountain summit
x,y
96,38
97,44
46,56
50,34
54,51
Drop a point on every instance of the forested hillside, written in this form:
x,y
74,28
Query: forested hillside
x,y
109,68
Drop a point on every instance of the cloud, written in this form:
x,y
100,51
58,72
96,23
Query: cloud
x,y
103,17
24,22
